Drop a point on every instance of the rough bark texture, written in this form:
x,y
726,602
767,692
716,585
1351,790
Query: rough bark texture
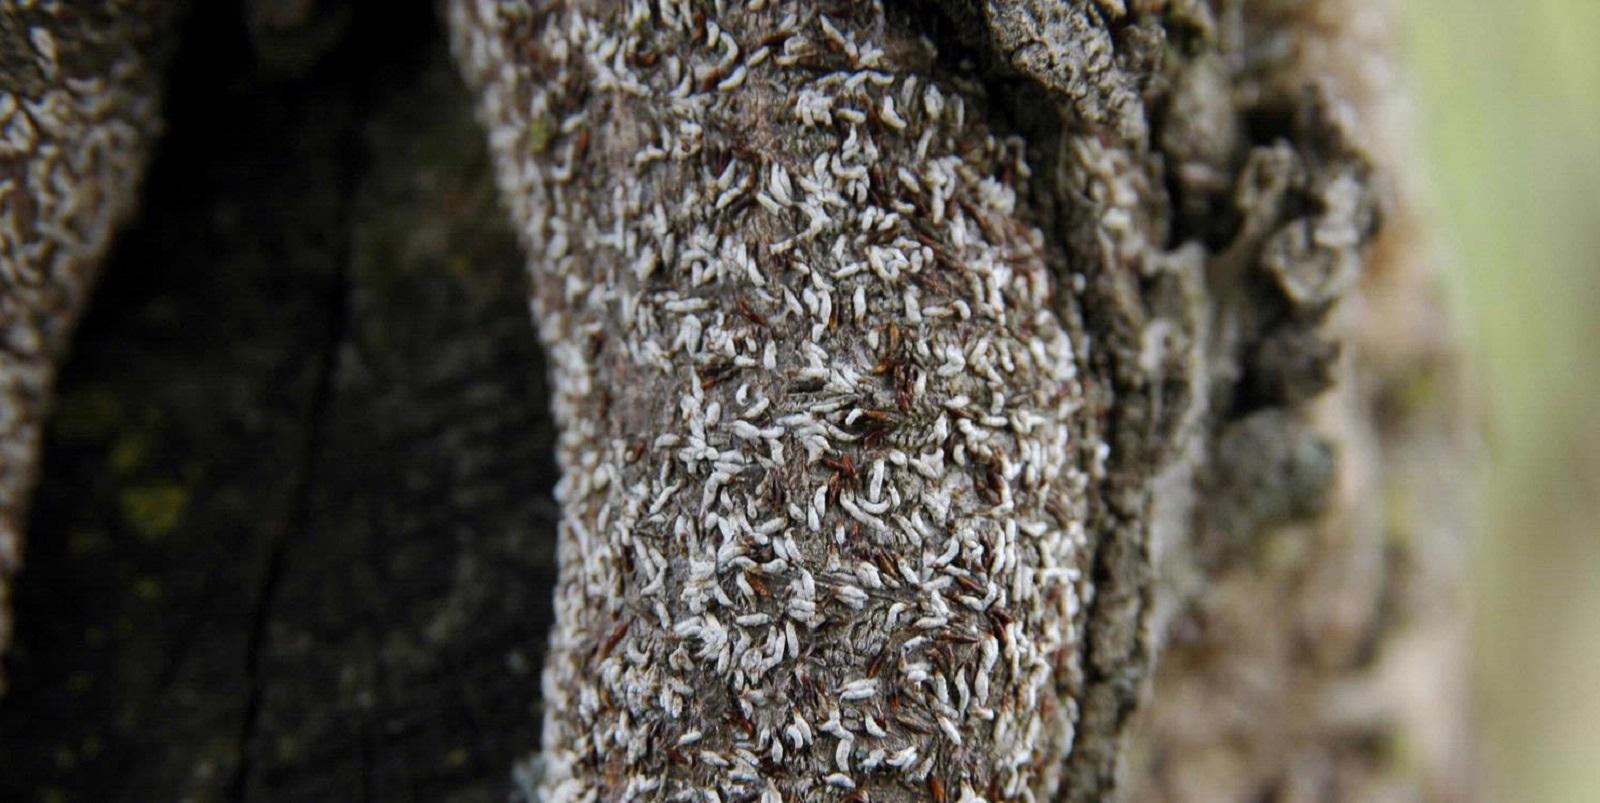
x,y
1325,660
958,399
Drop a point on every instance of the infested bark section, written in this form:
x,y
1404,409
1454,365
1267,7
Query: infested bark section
x,y
825,472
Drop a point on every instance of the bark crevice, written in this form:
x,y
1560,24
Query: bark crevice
x,y
334,339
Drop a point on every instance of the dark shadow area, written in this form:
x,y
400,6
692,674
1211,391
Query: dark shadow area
x,y
294,536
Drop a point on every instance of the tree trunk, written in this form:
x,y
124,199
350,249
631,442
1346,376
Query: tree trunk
x,y
998,399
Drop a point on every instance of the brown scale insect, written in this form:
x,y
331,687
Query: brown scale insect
x,y
576,90
1058,510
884,564
904,386
989,489
876,664
1001,629
913,724
882,236
891,352
843,465
874,438
956,636
757,585
612,641
743,150
580,145
966,581
775,38
774,493
744,309
942,659
737,717
807,685
876,180
843,468
713,78
881,417
713,375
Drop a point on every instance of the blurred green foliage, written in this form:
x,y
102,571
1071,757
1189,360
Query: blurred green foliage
x,y
1509,107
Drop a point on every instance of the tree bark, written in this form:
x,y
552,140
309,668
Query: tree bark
x,y
955,399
